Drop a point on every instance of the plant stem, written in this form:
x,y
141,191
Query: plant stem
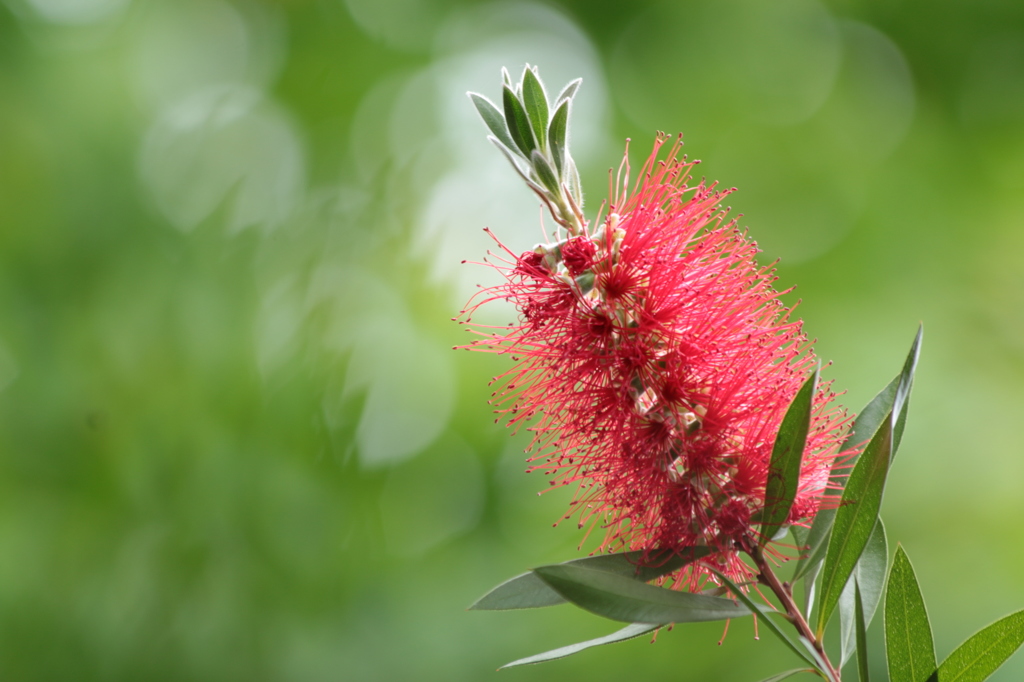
x,y
784,592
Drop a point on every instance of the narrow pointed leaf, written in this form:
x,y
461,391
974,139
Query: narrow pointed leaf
x,y
871,570
787,455
806,599
870,418
870,579
535,100
864,428
863,669
620,598
809,589
569,91
558,136
505,77
628,632
817,543
526,68
788,674
855,520
545,172
986,650
511,156
494,119
908,634
528,591
517,121
806,653
633,565
525,591
907,377
893,398
572,175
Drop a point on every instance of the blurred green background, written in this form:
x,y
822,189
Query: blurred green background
x,y
234,441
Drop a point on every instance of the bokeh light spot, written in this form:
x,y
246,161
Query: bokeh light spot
x,y
224,145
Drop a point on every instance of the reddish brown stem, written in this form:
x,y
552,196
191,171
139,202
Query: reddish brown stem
x,y
784,592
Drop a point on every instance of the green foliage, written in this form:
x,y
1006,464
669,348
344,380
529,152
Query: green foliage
x,y
797,644
529,591
985,651
518,122
855,520
493,118
867,582
544,171
861,625
535,101
788,674
623,599
908,634
629,632
864,428
568,92
787,455
536,142
558,135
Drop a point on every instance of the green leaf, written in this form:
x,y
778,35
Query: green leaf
x,y
517,121
494,119
787,455
512,159
803,650
855,520
863,669
568,92
908,634
867,422
528,591
800,535
545,172
817,543
572,176
895,397
525,591
864,428
809,589
986,650
619,598
558,135
869,581
906,382
870,418
788,673
632,564
535,100
628,632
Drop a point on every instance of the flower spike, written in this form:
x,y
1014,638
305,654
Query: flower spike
x,y
656,365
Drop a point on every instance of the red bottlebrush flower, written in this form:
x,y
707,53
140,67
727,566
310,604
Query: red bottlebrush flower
x,y
656,363
578,254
